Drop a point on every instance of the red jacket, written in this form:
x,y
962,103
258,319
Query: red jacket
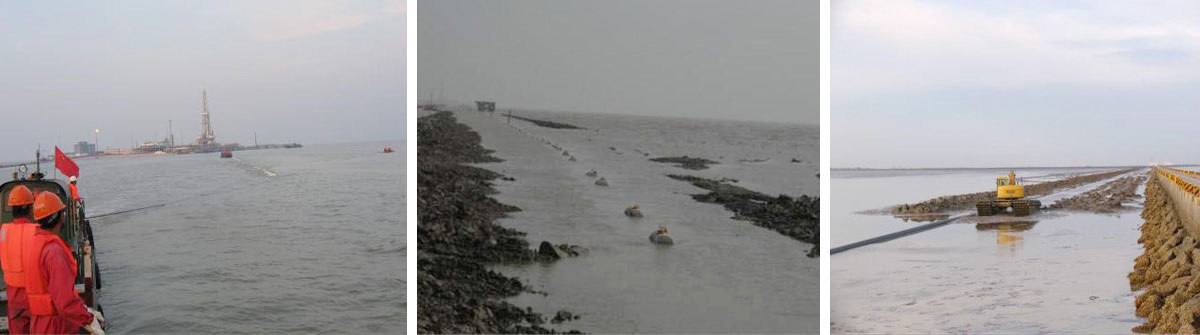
x,y
71,314
18,302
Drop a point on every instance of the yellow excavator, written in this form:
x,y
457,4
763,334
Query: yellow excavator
x,y
1009,193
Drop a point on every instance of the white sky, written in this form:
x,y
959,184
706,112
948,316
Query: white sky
x,y
306,71
755,60
1026,83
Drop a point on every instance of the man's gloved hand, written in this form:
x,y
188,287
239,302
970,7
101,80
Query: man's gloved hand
x,y
96,314
97,318
95,328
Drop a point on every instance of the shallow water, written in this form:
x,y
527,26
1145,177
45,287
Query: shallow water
x,y
721,275
1064,272
854,192
285,240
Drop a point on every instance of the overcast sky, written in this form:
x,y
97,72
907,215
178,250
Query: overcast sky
x,y
1028,83
756,60
306,71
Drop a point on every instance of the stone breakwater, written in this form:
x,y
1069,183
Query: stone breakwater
x,y
1168,270
457,238
1107,198
548,124
685,162
962,202
798,218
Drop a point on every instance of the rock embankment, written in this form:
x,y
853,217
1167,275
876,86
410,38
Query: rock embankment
x,y
457,236
967,201
798,218
690,163
548,124
1171,300
1108,198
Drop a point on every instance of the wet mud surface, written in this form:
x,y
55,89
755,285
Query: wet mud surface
x,y
1108,198
962,202
1060,275
1170,297
1061,271
1007,218
798,218
457,238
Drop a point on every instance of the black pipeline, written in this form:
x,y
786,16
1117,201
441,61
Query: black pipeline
x,y
896,235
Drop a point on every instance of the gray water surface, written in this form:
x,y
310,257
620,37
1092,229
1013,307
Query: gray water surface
x,y
721,276
305,240
1053,272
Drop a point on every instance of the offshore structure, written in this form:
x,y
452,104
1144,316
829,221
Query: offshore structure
x,y
485,106
206,137
206,142
167,144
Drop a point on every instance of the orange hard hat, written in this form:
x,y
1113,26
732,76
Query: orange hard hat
x,y
20,196
46,204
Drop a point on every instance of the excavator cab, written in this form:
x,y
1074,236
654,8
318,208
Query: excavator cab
x,y
1009,193
1009,188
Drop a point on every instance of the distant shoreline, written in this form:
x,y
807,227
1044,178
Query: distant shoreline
x,y
998,168
51,161
12,163
786,123
4,165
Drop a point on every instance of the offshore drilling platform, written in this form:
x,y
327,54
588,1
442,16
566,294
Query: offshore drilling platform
x,y
206,137
206,142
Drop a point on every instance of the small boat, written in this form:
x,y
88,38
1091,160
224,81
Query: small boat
x,y
226,154
592,173
601,182
387,150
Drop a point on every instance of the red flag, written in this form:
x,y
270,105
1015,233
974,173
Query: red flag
x,y
65,164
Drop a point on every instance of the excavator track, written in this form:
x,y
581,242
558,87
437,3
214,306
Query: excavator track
x,y
1020,208
985,208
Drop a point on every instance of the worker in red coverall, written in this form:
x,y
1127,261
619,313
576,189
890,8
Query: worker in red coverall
x,y
74,189
20,199
53,303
